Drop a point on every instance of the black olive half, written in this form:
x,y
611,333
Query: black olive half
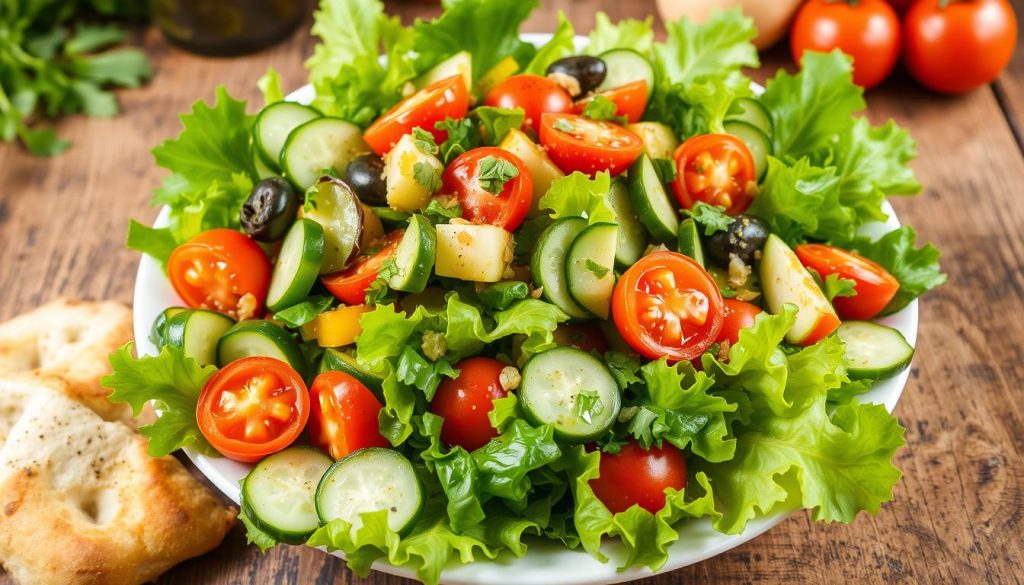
x,y
588,72
270,210
365,174
745,236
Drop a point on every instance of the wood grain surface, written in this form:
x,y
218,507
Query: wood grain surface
x,y
957,516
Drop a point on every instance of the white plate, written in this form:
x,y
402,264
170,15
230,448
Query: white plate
x,y
546,562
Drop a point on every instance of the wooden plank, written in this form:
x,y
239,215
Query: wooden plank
x,y
1010,85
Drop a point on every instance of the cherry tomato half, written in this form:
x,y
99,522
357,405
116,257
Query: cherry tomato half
x,y
349,286
534,94
874,285
448,98
630,100
216,268
634,476
343,416
576,143
717,169
471,174
464,402
667,305
253,407
736,315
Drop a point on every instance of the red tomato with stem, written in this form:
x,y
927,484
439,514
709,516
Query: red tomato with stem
x,y
253,407
350,285
216,268
575,143
737,315
343,416
668,305
630,100
465,401
867,30
955,47
874,285
448,98
534,94
638,477
476,178
717,169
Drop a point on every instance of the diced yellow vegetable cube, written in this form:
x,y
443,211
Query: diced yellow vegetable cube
x,y
477,253
335,328
542,170
405,193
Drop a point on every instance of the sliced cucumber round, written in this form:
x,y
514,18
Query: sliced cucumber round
x,y
273,125
371,480
323,144
414,258
750,111
689,240
298,265
572,391
197,331
874,351
548,264
758,143
158,332
631,241
257,337
341,361
280,493
332,204
626,66
589,268
654,208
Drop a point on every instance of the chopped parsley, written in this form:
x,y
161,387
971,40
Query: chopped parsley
x,y
427,176
494,172
602,109
597,270
379,293
588,405
712,217
441,209
424,141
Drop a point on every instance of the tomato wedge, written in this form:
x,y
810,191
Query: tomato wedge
x,y
667,305
471,177
874,284
344,415
253,407
217,268
576,143
448,98
349,286
717,169
630,100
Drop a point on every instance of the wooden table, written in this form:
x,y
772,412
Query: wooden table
x,y
958,512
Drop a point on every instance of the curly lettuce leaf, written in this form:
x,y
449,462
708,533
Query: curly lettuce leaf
x,y
561,45
718,48
577,195
871,162
637,35
800,200
695,108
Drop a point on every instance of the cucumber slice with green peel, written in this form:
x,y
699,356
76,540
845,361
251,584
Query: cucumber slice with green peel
x,y
689,240
332,204
371,480
589,268
874,351
263,170
390,216
572,391
626,66
631,241
158,332
197,331
298,265
548,264
335,360
650,200
273,125
758,143
260,338
460,63
414,258
750,111
279,494
319,146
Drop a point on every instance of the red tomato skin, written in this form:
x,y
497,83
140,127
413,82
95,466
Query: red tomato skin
x,y
535,94
613,151
350,285
875,286
737,315
960,47
630,100
637,477
341,402
868,31
448,98
741,185
464,402
506,210
825,327
251,268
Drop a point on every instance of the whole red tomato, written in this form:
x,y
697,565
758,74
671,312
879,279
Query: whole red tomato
x,y
955,47
867,30
464,402
635,476
534,94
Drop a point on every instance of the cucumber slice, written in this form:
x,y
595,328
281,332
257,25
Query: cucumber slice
x,y
751,111
158,332
631,241
572,391
589,268
371,480
340,361
197,331
257,337
279,494
298,265
689,240
414,258
758,143
659,140
319,146
548,264
273,125
392,217
652,204
874,351
626,66
460,63
332,204
263,170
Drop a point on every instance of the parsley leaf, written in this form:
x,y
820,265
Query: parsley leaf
x,y
600,108
494,172
441,209
424,141
427,176
379,293
712,217
834,285
588,405
495,123
596,269
463,135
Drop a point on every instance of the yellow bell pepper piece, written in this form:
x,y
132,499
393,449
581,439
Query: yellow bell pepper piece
x,y
335,328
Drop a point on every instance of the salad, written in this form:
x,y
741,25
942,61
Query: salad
x,y
480,292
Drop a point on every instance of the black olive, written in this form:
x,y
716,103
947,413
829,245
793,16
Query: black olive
x,y
588,72
743,239
365,174
270,210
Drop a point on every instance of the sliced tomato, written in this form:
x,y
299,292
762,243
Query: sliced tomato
x,y
533,93
630,100
465,401
343,415
216,268
736,315
874,284
350,285
468,178
717,169
576,143
448,98
253,407
639,477
667,305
